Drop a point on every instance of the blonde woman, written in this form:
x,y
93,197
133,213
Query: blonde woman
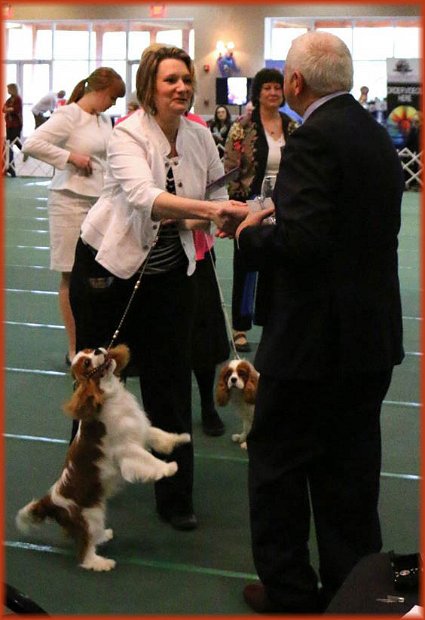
x,y
159,165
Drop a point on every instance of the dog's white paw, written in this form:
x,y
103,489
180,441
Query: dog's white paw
x,y
237,438
162,470
106,535
158,471
171,469
98,563
244,446
150,471
169,442
164,442
183,438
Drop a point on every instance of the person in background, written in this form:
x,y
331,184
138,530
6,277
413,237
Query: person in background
x,y
195,117
413,139
220,126
287,110
47,104
141,229
132,106
254,145
413,144
331,339
249,107
12,110
364,92
210,344
74,141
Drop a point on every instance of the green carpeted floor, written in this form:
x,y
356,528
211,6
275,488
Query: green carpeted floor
x,y
159,570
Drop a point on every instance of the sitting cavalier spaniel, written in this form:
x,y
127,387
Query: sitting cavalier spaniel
x,y
111,446
237,382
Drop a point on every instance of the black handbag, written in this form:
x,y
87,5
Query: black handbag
x,y
406,570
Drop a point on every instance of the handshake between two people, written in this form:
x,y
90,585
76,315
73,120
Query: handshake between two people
x,y
233,216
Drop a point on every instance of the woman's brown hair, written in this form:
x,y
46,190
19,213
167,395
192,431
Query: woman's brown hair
x,y
148,69
13,89
100,79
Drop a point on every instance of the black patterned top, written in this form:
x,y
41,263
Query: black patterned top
x,y
167,253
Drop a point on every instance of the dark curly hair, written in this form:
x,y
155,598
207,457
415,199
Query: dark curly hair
x,y
264,76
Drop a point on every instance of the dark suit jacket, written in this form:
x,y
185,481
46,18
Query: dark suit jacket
x,y
335,300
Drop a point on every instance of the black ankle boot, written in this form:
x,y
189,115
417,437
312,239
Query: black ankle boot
x,y
212,424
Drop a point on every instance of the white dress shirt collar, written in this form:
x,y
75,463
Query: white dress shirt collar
x,y
316,104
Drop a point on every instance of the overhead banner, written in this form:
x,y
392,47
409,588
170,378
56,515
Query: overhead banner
x,y
404,91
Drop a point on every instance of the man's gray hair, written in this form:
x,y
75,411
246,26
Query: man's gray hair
x,y
324,61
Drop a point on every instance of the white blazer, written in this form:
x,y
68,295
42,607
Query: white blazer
x,y
70,128
119,225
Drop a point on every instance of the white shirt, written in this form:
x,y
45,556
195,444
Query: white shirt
x,y
275,153
70,128
119,225
46,103
316,104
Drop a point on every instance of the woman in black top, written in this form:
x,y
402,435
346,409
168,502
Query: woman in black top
x,y
220,126
253,145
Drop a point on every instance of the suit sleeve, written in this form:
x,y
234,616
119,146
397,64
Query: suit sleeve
x,y
304,198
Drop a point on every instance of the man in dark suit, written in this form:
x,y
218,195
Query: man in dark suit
x,y
331,339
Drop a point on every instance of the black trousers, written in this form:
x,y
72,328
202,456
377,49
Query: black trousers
x,y
39,119
157,329
314,449
210,341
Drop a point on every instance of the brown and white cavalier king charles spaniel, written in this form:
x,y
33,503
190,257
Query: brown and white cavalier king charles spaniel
x,y
110,447
237,383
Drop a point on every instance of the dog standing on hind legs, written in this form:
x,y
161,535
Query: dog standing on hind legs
x,y
238,382
111,447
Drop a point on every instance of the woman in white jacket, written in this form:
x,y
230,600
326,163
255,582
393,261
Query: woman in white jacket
x,y
159,166
74,141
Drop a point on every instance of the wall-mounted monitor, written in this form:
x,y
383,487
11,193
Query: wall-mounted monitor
x,y
232,90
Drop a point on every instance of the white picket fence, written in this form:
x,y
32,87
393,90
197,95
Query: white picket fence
x,y
30,167
24,166
412,166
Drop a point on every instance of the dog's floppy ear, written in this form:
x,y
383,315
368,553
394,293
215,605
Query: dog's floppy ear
x,y
222,393
85,401
121,355
250,389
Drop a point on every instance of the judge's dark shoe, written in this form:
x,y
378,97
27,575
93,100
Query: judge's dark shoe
x,y
183,522
212,424
255,596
